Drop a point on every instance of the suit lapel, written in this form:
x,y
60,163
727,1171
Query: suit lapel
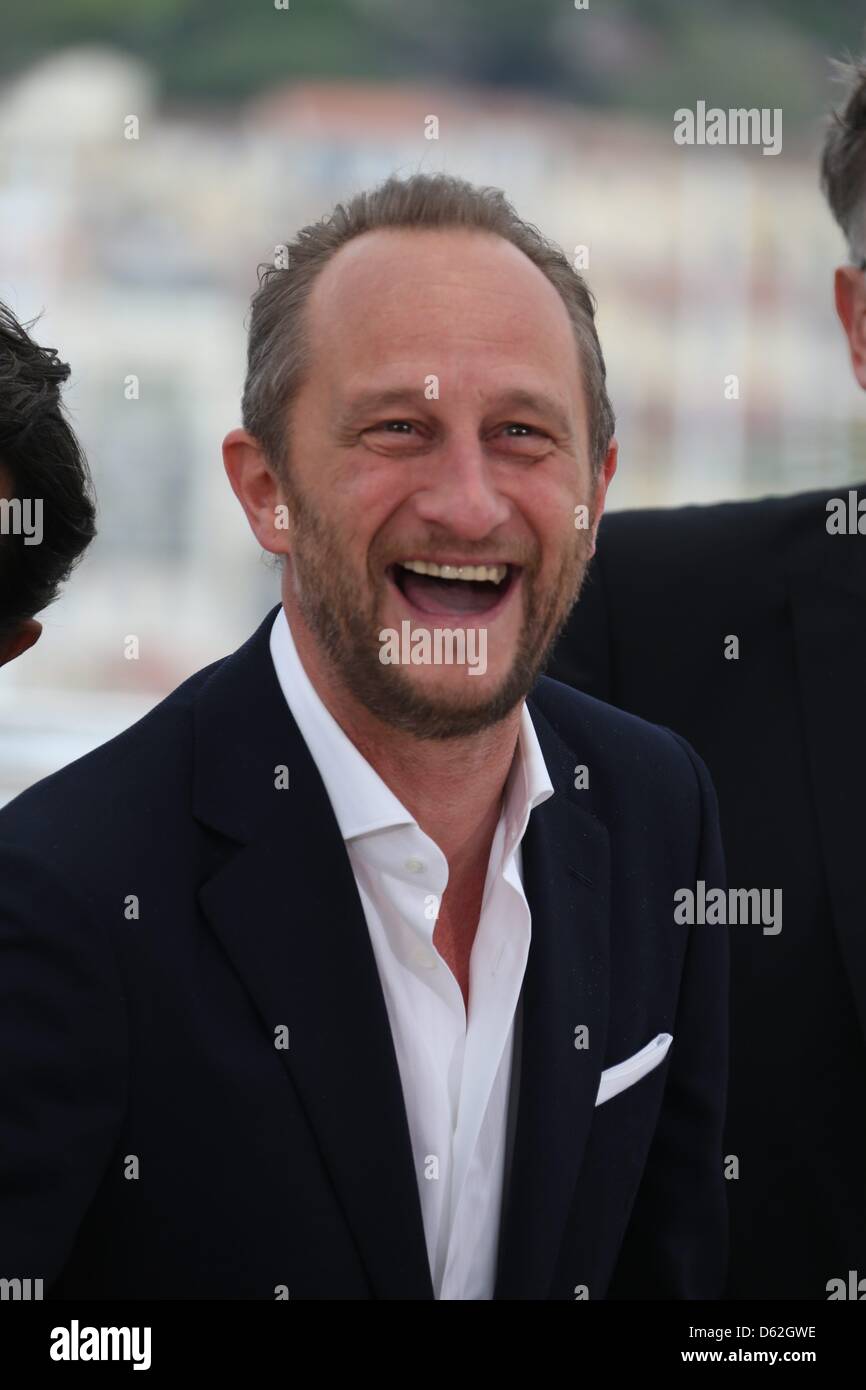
x,y
284,905
828,597
566,880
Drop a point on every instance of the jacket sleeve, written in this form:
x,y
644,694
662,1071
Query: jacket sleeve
x,y
63,1067
676,1243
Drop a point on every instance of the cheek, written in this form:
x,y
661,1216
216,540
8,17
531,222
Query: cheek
x,y
552,521
356,505
382,513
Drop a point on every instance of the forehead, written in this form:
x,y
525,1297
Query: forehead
x,y
431,300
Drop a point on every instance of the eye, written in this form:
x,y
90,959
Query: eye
x,y
526,429
397,437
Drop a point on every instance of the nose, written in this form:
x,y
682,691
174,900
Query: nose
x,y
461,495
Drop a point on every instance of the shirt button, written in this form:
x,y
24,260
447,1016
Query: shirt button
x,y
415,866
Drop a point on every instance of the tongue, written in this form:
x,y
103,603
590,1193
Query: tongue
x,y
434,595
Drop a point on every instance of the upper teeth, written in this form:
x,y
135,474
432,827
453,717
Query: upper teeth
x,y
496,573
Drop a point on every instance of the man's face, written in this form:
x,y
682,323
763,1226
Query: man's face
x,y
850,291
442,421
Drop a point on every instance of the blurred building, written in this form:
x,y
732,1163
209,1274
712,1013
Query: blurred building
x,y
708,265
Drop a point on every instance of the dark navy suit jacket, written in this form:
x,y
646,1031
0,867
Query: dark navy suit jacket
x,y
782,733
155,1143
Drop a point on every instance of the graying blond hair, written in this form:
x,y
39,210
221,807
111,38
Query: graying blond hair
x,y
843,159
278,349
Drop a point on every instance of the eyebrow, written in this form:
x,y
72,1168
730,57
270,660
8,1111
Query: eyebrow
x,y
518,398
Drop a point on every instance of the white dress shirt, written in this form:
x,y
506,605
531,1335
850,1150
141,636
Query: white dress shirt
x,y
455,1072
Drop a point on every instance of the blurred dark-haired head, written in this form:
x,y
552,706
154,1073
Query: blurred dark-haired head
x,y
47,512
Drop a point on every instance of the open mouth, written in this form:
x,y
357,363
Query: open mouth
x,y
453,591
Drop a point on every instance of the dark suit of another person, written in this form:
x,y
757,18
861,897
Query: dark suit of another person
x,y
261,1167
783,733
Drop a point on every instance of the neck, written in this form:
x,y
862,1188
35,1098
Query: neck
x,y
452,787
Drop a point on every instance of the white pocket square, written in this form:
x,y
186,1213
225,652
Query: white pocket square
x,y
626,1073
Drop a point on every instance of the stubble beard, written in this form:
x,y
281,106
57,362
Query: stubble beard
x,y
347,630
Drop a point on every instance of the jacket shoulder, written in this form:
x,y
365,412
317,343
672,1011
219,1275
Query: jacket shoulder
x,y
622,742
681,534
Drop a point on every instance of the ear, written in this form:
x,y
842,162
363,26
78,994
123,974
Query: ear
x,y
24,636
850,289
258,489
605,478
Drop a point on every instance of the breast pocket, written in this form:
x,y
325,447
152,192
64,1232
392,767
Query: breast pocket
x,y
625,1074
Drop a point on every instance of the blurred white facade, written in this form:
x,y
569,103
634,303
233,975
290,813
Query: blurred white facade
x,y
707,263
